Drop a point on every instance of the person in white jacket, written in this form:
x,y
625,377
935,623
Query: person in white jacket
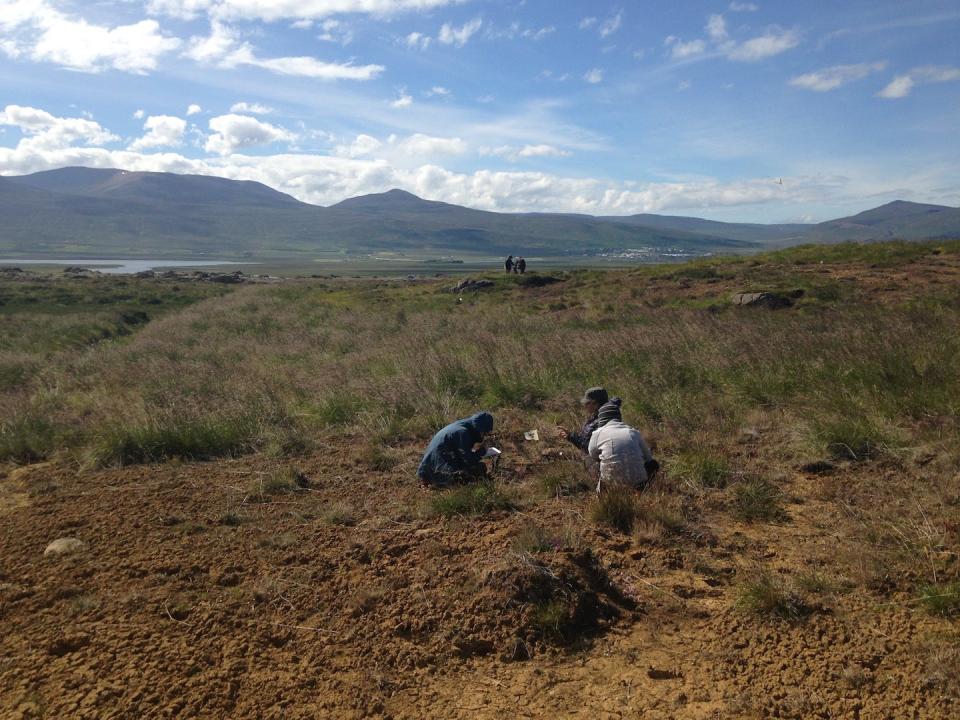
x,y
623,454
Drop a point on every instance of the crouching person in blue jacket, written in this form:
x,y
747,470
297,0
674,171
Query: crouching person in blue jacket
x,y
450,457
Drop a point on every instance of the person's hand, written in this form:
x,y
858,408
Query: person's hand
x,y
564,433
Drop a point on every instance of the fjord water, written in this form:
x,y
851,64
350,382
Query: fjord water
x,y
121,267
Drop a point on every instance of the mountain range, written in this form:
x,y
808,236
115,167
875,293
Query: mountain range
x,y
88,212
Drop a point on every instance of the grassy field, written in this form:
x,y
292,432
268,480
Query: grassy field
x,y
827,432
271,367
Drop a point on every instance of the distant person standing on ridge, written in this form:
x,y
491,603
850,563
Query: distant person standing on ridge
x,y
623,454
508,265
522,265
592,400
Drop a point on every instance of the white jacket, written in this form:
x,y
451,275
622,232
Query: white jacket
x,y
621,452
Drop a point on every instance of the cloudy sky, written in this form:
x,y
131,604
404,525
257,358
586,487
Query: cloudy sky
x,y
694,107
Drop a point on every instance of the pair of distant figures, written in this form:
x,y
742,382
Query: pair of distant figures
x,y
518,265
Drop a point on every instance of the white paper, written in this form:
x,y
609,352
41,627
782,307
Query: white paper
x,y
531,435
492,452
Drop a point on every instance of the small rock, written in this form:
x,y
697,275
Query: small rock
x,y
64,546
818,467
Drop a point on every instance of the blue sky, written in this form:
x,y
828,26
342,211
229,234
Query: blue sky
x,y
610,108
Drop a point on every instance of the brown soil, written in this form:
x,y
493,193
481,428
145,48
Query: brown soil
x,y
178,608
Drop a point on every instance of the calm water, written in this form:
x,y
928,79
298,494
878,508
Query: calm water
x,y
123,267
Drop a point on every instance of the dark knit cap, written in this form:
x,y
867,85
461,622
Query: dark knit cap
x,y
609,411
595,394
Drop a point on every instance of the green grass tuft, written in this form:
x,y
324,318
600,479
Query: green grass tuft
x,y
767,596
758,499
850,437
193,439
941,598
617,507
283,480
474,499
702,469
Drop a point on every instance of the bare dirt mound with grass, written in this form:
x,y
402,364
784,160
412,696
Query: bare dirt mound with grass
x,y
798,555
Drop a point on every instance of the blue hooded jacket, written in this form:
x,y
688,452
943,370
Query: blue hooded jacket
x,y
451,451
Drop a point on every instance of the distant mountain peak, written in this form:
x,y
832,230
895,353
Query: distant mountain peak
x,y
395,198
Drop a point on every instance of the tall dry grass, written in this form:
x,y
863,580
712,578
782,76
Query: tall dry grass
x,y
277,367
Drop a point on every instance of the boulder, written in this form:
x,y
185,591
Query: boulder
x,y
768,300
534,280
226,278
471,284
64,546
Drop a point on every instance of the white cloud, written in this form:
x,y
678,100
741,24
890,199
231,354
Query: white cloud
x,y
183,9
514,30
773,42
438,91
680,50
224,49
403,100
272,10
418,40
215,46
162,131
361,146
450,35
251,108
513,153
594,76
611,25
833,77
539,34
37,30
194,109
743,7
417,145
138,114
587,22
236,132
684,85
44,132
335,31
717,28
901,85
897,88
